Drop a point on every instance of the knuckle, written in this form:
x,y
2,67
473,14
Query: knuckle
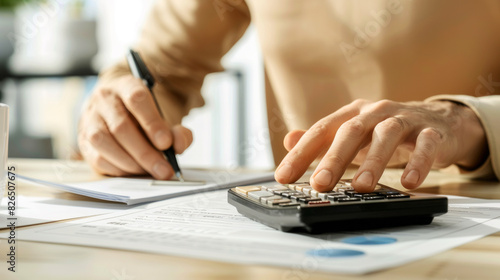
x,y
335,160
120,126
392,125
423,160
319,129
354,127
383,105
154,124
103,93
96,137
136,97
433,134
428,149
377,161
117,107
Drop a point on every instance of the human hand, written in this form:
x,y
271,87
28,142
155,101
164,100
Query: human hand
x,y
423,135
121,132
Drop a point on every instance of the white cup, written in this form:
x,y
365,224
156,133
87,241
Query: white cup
x,y
4,144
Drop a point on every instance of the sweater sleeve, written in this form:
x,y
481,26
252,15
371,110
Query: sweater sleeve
x,y
182,42
487,108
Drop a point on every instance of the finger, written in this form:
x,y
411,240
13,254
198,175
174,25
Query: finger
x,y
132,140
386,137
312,143
183,138
351,137
296,134
99,163
292,138
140,103
426,148
98,136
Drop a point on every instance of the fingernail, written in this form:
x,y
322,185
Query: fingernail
x,y
323,178
412,177
365,179
161,170
161,138
285,171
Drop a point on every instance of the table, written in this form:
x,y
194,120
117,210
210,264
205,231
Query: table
x,y
475,260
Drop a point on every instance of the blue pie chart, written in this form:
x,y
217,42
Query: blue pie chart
x,y
369,240
335,253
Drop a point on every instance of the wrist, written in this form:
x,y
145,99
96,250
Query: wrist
x,y
472,137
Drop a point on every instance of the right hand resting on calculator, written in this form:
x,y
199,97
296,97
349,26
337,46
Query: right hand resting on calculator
x,y
121,131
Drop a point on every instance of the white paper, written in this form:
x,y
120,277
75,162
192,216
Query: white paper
x,y
38,210
133,191
206,226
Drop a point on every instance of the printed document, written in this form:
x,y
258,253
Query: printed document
x,y
205,226
39,210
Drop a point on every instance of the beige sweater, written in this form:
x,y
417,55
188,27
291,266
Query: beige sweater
x,y
321,54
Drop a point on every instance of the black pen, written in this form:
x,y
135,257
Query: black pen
x,y
139,70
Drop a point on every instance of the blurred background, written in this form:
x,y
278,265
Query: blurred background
x,y
52,50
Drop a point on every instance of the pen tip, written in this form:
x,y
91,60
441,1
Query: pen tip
x,y
179,176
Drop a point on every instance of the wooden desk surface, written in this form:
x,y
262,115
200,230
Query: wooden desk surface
x,y
479,259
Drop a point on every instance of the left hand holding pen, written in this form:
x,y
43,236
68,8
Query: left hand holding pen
x,y
121,131
423,135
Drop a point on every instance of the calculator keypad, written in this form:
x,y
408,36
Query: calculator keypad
x,y
302,194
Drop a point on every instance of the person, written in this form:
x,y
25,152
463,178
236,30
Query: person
x,y
376,83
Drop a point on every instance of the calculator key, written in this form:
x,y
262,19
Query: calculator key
x,y
258,194
319,202
281,192
375,197
334,194
387,192
337,197
245,190
307,190
343,188
289,204
298,186
308,199
268,198
350,192
344,182
314,193
290,194
323,195
348,199
275,188
396,196
364,195
297,196
278,201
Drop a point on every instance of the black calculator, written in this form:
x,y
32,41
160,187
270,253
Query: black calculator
x,y
298,207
